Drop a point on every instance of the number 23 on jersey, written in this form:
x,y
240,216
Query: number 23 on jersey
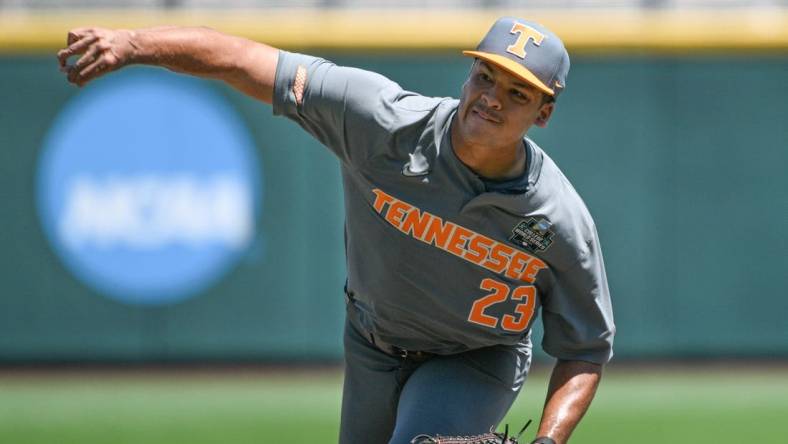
x,y
500,292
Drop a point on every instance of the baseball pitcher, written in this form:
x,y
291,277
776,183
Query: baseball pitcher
x,y
460,230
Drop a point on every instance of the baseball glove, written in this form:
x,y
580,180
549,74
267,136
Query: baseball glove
x,y
487,438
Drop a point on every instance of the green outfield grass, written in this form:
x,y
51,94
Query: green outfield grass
x,y
633,406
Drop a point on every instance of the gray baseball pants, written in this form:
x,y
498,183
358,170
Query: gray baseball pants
x,y
390,399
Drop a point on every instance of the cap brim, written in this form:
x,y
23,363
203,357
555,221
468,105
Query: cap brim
x,y
512,67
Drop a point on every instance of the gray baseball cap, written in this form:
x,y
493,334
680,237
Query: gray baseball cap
x,y
527,50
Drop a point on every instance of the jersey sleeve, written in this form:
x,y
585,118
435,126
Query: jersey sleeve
x,y
577,313
348,110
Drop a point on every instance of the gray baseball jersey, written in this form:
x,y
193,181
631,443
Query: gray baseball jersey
x,y
440,260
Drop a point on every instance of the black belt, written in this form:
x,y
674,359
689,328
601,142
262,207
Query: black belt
x,y
385,347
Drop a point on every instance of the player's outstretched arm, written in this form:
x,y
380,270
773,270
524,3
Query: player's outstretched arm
x,y
573,385
246,65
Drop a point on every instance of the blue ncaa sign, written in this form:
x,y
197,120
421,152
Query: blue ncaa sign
x,y
148,187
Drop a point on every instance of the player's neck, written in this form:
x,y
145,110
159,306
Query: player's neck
x,y
488,161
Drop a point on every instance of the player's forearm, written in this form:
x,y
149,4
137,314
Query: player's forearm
x,y
572,387
244,64
197,51
249,66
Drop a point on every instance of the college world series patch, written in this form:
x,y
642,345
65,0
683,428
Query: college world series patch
x,y
533,234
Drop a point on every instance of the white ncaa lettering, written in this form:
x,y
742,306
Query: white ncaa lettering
x,y
151,211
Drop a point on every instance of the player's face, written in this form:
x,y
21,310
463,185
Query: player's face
x,y
498,108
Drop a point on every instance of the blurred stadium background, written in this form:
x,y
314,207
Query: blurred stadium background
x,y
172,254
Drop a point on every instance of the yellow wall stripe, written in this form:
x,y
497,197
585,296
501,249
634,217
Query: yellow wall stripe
x,y
590,30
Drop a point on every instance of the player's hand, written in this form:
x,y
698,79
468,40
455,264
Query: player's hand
x,y
103,50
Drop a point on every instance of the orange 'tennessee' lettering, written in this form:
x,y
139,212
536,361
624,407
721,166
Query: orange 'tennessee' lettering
x,y
438,232
478,248
499,257
415,223
396,211
533,267
458,239
381,199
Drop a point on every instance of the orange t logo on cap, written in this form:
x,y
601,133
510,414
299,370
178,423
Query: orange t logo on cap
x,y
525,33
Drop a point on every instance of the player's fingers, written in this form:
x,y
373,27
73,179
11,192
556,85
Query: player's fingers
x,y
77,34
98,67
76,47
93,53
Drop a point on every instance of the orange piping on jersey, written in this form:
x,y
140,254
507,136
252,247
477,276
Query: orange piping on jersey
x,y
457,240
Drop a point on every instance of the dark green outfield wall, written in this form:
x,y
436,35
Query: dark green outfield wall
x,y
681,161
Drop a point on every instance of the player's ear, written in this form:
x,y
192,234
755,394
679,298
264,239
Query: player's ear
x,y
545,112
